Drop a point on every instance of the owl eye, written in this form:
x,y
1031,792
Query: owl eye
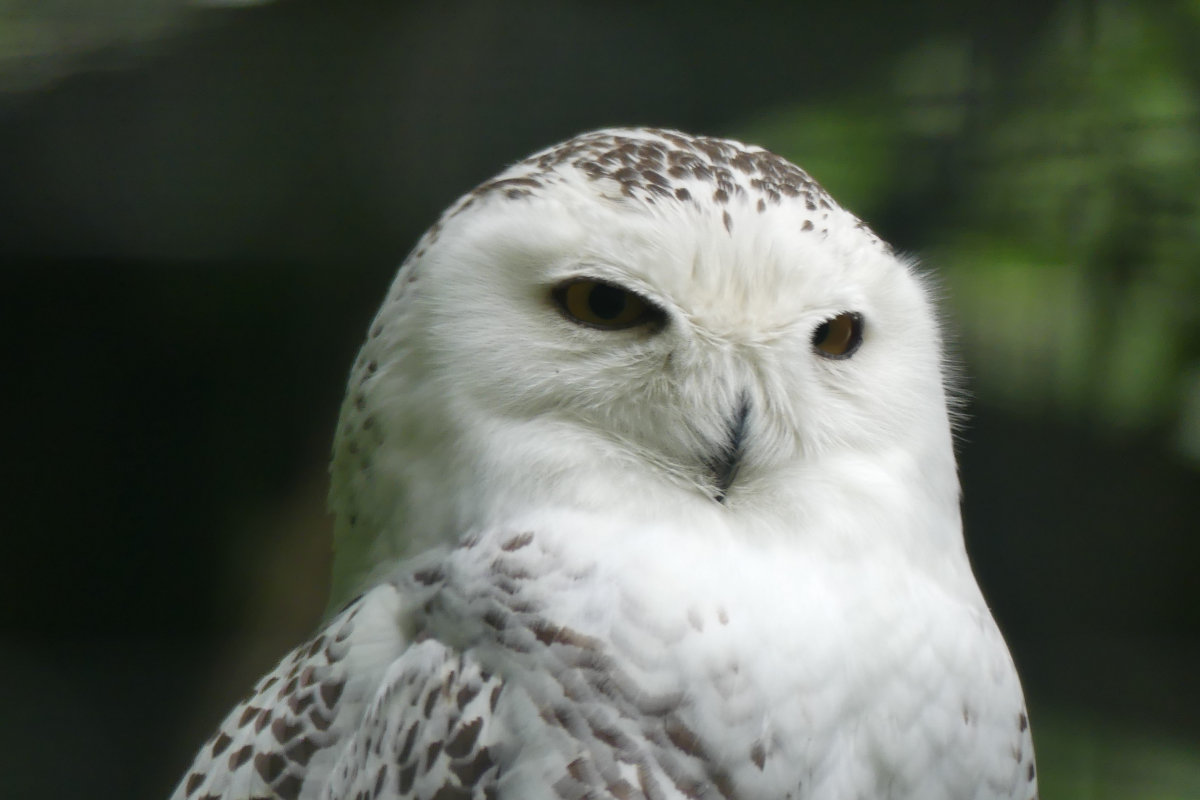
x,y
602,305
840,336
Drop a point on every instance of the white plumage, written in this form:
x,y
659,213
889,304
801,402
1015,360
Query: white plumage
x,y
645,485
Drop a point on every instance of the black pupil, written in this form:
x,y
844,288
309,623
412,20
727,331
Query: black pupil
x,y
606,302
821,333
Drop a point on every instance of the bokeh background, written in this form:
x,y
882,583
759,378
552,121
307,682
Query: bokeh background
x,y
201,205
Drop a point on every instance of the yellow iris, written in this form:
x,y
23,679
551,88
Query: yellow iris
x,y
840,336
602,305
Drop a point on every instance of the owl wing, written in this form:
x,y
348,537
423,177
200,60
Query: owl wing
x,y
359,710
378,706
282,740
425,734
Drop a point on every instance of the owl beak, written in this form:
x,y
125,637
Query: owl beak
x,y
725,465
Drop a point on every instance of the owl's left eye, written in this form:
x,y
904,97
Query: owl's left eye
x,y
838,337
602,305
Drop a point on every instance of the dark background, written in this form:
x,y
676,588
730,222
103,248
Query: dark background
x,y
200,208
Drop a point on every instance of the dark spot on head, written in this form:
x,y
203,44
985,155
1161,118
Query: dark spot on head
x,y
743,162
654,178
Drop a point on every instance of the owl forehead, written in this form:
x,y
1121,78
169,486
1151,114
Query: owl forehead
x,y
713,224
654,165
662,168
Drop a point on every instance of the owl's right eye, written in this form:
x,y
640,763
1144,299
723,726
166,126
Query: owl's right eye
x,y
838,337
603,305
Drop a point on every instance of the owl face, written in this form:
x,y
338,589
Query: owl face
x,y
642,312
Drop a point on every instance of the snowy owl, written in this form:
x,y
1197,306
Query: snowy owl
x,y
644,488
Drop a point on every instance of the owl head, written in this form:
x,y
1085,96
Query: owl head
x,y
647,323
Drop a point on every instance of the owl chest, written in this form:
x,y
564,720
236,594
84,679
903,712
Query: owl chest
x,y
666,686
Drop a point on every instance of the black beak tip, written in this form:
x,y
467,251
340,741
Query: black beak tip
x,y
725,466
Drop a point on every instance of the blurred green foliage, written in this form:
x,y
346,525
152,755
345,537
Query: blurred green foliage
x,y
1089,758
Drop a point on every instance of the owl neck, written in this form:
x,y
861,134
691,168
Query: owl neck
x,y
426,489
